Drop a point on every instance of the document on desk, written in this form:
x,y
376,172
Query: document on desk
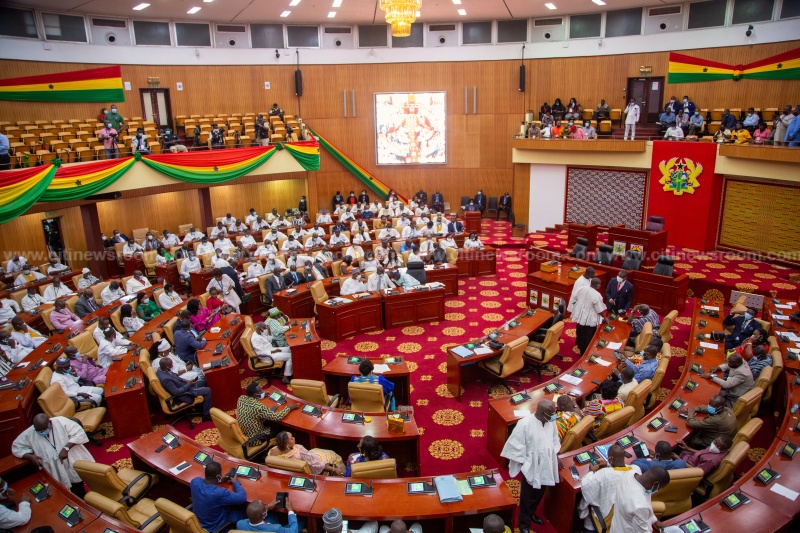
x,y
463,487
602,362
710,308
572,380
462,351
483,350
710,345
381,368
23,364
786,492
614,345
777,316
785,306
521,413
447,488
792,336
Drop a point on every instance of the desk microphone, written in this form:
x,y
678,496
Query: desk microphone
x,y
258,471
362,423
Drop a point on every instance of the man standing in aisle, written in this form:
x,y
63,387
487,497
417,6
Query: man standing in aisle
x,y
631,118
532,450
587,313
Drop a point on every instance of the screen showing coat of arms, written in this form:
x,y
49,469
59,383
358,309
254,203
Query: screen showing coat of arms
x,y
410,128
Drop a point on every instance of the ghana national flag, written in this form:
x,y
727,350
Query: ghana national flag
x,y
92,85
688,69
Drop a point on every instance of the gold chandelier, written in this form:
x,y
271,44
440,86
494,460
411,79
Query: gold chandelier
x,y
401,14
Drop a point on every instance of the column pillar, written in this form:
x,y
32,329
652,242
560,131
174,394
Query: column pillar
x,y
206,214
94,243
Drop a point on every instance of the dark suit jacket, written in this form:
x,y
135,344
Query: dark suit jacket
x,y
288,279
235,277
175,386
302,206
455,227
363,198
186,345
505,202
84,307
437,199
622,298
480,199
274,284
740,330
439,256
337,199
473,207
179,254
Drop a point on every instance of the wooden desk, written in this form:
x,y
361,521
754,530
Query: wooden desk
x,y
252,304
346,320
654,243
472,221
66,279
168,273
456,371
301,302
231,327
554,287
473,262
306,354
587,231
405,307
338,373
198,281
446,274
131,264
45,513
223,381
788,326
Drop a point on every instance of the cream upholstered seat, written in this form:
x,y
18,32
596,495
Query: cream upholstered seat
x,y
658,377
126,486
743,408
636,399
143,515
720,479
266,367
538,354
573,439
777,370
677,496
171,406
297,466
84,342
643,338
234,441
380,469
178,518
508,363
314,392
319,293
54,402
43,379
665,331
747,431
367,397
614,422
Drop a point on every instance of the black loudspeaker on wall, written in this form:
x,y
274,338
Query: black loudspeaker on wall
x,y
522,78
298,83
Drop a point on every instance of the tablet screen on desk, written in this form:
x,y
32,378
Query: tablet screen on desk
x,y
243,470
67,511
656,423
625,441
416,487
309,409
354,487
732,500
37,488
348,417
764,476
275,396
297,482
691,527
583,457
200,457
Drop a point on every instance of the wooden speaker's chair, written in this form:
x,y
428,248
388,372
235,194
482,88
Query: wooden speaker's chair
x,y
264,366
720,479
614,422
380,469
743,408
538,354
665,331
677,496
314,392
143,515
297,466
508,363
171,406
573,439
636,399
319,293
182,519
126,486
368,397
54,402
234,441
747,432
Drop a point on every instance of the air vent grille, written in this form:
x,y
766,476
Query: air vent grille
x,y
230,28
338,30
548,22
661,11
109,23
442,27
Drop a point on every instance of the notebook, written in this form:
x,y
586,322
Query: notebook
x,y
447,488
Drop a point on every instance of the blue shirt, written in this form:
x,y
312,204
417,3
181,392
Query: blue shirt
x,y
667,118
645,370
387,385
3,144
269,525
215,505
793,130
757,365
646,464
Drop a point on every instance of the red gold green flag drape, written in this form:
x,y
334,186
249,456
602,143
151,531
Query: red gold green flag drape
x,y
20,189
687,69
372,183
79,181
306,153
92,85
211,166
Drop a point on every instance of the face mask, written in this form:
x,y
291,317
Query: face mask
x,y
652,490
586,124
748,316
672,101
713,448
114,111
108,126
145,301
685,101
168,132
697,113
711,410
619,279
552,418
45,433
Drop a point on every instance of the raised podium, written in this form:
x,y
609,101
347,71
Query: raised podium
x,y
652,243
472,221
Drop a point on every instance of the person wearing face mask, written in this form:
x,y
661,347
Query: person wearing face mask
x,y
170,141
688,106
187,371
139,143
647,368
532,450
662,456
599,485
254,417
619,294
751,121
739,378
741,135
27,276
9,517
116,120
55,444
666,120
189,265
744,324
707,459
65,376
781,123
150,243
62,318
214,505
260,518
674,105
557,130
137,283
146,308
576,132
473,242
720,421
632,115
169,298
762,134
32,300
696,122
109,136
633,512
264,345
793,130
589,130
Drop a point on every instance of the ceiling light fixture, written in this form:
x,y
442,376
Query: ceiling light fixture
x,y
294,3
462,12
208,1
194,10
337,3
140,7
599,2
457,2
400,14
286,14
331,14
550,6
419,13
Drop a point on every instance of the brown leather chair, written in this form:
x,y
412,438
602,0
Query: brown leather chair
x,y
677,496
643,338
613,423
763,381
46,317
601,523
720,479
178,518
573,439
234,441
508,363
170,406
636,399
747,432
319,293
380,469
266,369
126,486
143,515
743,408
43,378
85,342
368,397
298,466
538,354
658,377
314,392
54,402
97,288
777,370
665,331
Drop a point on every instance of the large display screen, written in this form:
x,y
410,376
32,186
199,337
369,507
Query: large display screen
x,y
410,128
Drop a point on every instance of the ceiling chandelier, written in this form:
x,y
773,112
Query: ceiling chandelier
x,y
401,14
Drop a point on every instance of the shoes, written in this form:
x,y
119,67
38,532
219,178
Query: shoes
x,y
536,520
206,418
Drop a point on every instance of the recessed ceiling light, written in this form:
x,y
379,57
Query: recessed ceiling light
x,y
419,14
140,7
286,14
208,1
599,2
331,14
337,3
550,6
462,12
457,2
194,10
294,3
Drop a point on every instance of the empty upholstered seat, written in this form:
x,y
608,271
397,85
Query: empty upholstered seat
x,y
125,486
380,469
315,392
677,496
580,248
664,266
633,260
654,223
604,254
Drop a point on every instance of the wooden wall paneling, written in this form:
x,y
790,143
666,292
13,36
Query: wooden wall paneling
x,y
263,196
520,193
24,235
157,212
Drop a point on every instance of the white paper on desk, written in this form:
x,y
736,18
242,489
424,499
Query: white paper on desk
x,y
779,317
381,368
711,308
475,530
672,529
784,306
786,492
792,336
461,351
602,362
572,380
482,350
614,345
521,412
710,345
23,364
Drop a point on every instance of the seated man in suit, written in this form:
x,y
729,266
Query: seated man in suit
x,y
259,518
504,205
186,342
275,283
739,378
85,304
293,277
437,202
619,294
743,327
455,226
480,200
182,390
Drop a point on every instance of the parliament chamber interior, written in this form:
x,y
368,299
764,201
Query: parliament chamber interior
x,y
468,266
